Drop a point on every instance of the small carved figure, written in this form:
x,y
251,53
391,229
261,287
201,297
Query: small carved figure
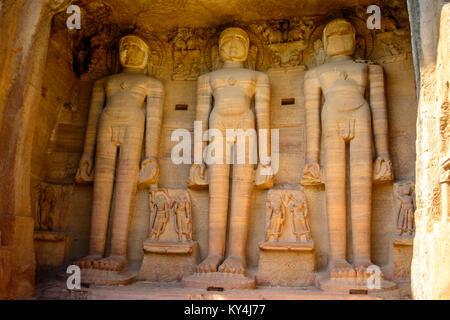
x,y
160,209
299,212
46,209
277,209
407,206
181,208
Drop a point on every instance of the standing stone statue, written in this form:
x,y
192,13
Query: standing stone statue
x,y
406,200
233,88
300,224
126,111
181,208
346,119
277,210
160,210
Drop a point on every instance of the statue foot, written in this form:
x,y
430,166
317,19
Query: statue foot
x,y
210,264
233,264
112,263
88,262
361,266
340,268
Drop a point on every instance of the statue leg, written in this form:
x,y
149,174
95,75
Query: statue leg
x,y
240,206
219,175
335,174
126,185
361,180
105,165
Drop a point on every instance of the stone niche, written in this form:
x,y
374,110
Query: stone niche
x,y
283,47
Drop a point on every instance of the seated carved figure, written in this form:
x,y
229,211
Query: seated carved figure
x,y
346,119
126,111
233,88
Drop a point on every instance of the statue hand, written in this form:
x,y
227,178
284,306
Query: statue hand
x,y
311,174
149,174
264,176
198,177
382,171
85,173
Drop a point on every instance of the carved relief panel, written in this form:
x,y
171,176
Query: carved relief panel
x,y
52,205
171,216
287,222
405,200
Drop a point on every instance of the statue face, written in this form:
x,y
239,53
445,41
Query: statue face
x,y
233,45
339,38
134,52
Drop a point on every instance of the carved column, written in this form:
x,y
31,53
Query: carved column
x,y
27,24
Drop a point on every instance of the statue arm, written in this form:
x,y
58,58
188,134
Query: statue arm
x,y
97,103
311,172
383,171
379,110
155,101
204,101
85,173
188,211
198,175
262,108
149,174
312,105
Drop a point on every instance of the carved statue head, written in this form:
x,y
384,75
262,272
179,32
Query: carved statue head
x,y
134,52
405,189
160,198
234,44
339,38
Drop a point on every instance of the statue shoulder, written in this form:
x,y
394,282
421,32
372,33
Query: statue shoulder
x,y
261,76
155,84
312,73
101,82
204,79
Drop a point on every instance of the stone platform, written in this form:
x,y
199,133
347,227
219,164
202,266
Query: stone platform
x,y
351,285
296,270
219,281
107,278
168,261
174,291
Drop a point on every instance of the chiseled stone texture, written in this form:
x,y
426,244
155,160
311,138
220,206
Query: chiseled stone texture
x,y
77,58
391,49
430,273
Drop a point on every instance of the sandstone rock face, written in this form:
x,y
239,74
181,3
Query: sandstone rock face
x,y
430,275
50,75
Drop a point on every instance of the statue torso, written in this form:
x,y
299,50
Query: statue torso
x,y
343,84
233,90
126,94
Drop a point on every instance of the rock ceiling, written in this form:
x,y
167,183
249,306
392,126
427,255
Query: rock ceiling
x,y
164,15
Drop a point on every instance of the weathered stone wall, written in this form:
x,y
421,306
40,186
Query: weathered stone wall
x,y
430,276
389,47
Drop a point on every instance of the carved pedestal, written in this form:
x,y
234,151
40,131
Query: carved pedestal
x,y
169,253
51,249
168,261
286,265
402,252
287,255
